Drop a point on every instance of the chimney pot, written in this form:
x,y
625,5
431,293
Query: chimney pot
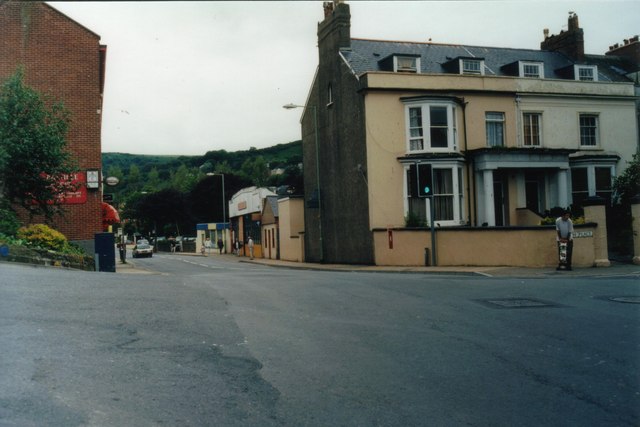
x,y
328,8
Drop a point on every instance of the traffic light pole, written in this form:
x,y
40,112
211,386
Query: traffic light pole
x,y
421,185
433,231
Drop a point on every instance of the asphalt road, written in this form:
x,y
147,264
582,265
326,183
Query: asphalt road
x,y
209,342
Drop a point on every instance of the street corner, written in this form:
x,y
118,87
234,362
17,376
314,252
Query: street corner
x,y
130,267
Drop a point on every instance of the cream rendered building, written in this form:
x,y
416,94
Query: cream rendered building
x,y
507,134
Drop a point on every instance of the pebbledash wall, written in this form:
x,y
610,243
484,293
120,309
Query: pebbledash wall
x,y
63,59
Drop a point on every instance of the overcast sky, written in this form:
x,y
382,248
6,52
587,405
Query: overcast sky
x,y
190,77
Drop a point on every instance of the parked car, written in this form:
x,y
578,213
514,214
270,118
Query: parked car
x,y
142,250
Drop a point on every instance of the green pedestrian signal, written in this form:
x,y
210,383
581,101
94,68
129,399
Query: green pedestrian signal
x,y
425,179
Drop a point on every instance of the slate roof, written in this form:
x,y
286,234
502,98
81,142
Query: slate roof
x,y
273,202
366,56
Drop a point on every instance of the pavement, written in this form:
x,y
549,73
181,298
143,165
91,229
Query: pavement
x,y
616,269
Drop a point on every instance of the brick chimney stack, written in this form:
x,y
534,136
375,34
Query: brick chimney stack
x,y
570,42
335,31
629,50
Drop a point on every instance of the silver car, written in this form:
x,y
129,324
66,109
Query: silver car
x,y
142,250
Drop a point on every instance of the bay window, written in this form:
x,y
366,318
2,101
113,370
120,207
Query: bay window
x,y
431,126
447,196
592,180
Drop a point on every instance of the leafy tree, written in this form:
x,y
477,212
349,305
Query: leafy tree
x,y
291,178
134,177
224,167
184,179
207,167
165,209
206,200
619,219
9,222
115,171
153,180
256,170
35,168
627,185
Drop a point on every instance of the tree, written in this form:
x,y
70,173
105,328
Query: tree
x,y
619,219
35,168
165,209
224,167
184,179
256,170
153,180
627,185
134,178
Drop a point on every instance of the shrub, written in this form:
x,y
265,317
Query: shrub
x,y
42,236
550,220
9,223
413,220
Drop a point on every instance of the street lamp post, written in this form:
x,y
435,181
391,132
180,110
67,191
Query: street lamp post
x,y
224,210
315,128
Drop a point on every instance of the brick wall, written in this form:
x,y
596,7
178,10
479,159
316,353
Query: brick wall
x,y
61,58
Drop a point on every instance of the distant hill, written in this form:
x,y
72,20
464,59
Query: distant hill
x,y
141,173
143,161
280,155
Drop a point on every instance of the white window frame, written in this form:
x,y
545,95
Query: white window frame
x,y
524,124
414,69
592,188
538,65
494,119
577,72
425,108
464,70
457,197
596,133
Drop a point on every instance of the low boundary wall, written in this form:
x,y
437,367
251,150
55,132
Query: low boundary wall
x,y
482,246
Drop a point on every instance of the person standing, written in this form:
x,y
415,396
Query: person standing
x,y
250,244
220,245
564,234
122,248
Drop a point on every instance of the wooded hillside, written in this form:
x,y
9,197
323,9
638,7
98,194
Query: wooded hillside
x,y
173,193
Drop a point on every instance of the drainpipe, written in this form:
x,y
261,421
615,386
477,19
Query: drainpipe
x,y
464,126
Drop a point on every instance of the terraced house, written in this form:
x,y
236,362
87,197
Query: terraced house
x,y
505,134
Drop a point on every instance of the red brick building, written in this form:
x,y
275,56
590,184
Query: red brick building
x,y
63,59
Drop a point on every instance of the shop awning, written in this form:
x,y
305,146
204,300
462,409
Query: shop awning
x,y
109,214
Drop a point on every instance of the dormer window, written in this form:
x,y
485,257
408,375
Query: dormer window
x,y
406,64
464,65
586,73
534,70
472,66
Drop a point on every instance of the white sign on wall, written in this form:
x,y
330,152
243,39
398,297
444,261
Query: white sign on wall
x,y
583,234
